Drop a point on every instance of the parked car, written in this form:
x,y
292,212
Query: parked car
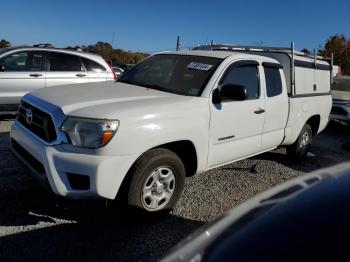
x,y
129,66
119,71
173,115
341,100
23,69
305,219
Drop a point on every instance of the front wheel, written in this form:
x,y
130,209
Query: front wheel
x,y
157,181
301,147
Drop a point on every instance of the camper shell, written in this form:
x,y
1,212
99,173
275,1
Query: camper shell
x,y
305,74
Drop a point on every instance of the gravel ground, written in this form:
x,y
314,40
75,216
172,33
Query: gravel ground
x,y
36,225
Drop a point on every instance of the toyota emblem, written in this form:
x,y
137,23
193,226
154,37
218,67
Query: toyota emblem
x,y
29,116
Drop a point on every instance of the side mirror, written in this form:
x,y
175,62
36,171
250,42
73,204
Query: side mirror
x,y
233,92
2,68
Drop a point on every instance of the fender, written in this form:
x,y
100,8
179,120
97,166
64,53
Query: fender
x,y
189,122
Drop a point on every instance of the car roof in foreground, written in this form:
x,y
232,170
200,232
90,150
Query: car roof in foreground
x,y
305,218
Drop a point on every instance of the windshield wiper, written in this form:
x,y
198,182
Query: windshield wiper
x,y
151,86
154,87
157,87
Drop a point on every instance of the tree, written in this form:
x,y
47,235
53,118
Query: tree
x,y
115,56
4,43
339,45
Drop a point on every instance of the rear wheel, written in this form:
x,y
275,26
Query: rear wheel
x,y
301,147
157,181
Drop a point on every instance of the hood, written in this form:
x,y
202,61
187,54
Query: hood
x,y
105,99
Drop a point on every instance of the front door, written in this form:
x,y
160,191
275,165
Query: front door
x,y
21,72
236,126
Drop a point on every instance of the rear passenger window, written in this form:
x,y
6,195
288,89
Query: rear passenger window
x,y
64,62
273,81
246,76
93,66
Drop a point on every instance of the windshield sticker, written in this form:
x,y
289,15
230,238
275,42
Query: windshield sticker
x,y
199,66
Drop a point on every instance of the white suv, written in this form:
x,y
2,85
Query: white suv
x,y
23,69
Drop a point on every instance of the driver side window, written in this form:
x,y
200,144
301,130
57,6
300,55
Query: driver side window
x,y
245,75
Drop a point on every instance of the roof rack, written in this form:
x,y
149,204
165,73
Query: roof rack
x,y
43,45
48,45
288,50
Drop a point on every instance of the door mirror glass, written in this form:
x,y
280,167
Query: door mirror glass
x,y
2,68
233,92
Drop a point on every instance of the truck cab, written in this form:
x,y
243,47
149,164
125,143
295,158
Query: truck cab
x,y
173,115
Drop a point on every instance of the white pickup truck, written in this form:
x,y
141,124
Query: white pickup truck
x,y
173,115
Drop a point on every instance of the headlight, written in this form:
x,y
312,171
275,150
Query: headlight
x,y
89,133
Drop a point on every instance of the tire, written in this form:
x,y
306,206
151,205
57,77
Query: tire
x,y
301,147
157,181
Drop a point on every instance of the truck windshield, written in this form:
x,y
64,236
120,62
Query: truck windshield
x,y
180,74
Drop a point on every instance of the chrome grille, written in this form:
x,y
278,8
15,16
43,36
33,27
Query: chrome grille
x,y
37,121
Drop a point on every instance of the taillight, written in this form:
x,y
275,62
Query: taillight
x,y
113,72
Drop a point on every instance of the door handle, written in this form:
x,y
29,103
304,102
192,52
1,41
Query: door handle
x,y
259,111
35,75
80,75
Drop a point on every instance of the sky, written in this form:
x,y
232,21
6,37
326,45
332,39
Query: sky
x,y
153,25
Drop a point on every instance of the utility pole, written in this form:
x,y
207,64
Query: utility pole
x,y
112,39
111,62
211,44
178,43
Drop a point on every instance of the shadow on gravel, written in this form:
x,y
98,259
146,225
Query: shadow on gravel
x,y
326,150
4,141
83,230
312,163
7,117
51,228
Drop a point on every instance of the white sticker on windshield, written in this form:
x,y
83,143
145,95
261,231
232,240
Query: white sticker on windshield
x,y
199,66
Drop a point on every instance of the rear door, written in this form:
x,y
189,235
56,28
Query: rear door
x,y
23,72
64,69
276,105
236,126
96,71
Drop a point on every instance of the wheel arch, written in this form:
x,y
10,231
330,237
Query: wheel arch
x,y
184,149
314,123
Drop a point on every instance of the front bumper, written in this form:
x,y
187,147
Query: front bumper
x,y
105,173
